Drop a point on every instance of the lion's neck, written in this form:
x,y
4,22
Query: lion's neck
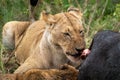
x,y
54,55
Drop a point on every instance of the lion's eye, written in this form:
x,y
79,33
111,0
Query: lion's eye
x,y
67,35
82,32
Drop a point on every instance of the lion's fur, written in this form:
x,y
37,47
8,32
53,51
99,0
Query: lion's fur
x,y
12,33
65,73
51,41
30,40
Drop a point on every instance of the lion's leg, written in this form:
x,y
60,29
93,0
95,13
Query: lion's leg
x,y
27,65
23,68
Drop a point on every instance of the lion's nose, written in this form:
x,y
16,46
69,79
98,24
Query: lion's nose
x,y
79,50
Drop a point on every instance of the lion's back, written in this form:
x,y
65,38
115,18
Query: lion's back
x,y
12,30
30,40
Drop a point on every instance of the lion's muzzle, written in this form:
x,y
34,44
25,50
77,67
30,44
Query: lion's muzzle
x,y
77,54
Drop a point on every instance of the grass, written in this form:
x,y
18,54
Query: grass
x,y
2,69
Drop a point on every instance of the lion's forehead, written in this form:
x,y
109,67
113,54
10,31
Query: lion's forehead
x,y
67,19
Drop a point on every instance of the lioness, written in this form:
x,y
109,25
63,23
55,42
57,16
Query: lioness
x,y
52,41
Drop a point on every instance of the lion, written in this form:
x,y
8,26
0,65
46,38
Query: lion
x,y
52,41
12,33
64,73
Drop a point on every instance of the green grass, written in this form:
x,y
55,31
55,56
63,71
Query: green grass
x,y
2,69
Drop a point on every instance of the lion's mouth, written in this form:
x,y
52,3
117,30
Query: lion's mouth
x,y
75,55
82,54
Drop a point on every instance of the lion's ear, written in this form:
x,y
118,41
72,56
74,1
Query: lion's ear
x,y
47,17
75,11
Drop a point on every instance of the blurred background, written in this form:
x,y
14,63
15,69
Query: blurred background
x,y
97,15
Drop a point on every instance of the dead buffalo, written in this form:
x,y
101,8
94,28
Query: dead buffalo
x,y
103,62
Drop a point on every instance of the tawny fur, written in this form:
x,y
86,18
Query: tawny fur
x,y
65,73
12,33
51,41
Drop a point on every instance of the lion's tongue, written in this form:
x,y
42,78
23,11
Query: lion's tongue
x,y
85,53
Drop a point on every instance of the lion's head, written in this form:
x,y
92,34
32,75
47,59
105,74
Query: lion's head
x,y
65,31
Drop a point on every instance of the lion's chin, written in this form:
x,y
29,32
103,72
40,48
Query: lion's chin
x,y
74,59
